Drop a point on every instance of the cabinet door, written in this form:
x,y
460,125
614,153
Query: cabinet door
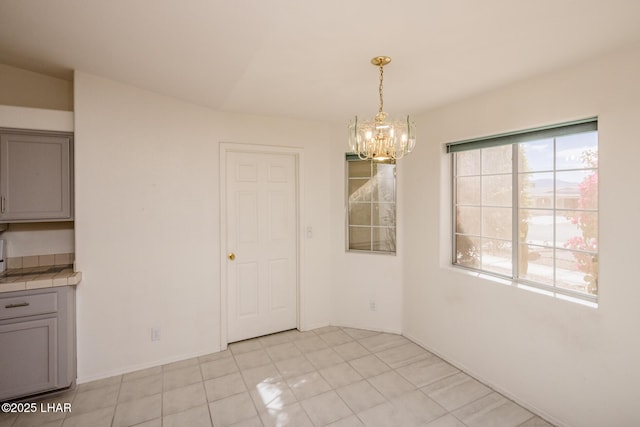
x,y
35,177
29,356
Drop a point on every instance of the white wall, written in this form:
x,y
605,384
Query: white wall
x,y
359,278
147,230
576,365
29,89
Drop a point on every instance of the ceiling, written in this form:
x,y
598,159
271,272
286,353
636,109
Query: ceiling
x,y
310,59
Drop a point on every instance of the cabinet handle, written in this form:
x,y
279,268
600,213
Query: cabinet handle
x,y
2,205
20,304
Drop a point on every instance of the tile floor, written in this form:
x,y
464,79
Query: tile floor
x,y
327,377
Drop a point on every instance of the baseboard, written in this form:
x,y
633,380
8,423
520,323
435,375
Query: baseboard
x,y
134,368
368,328
506,393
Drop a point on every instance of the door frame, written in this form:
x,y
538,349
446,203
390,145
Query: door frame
x,y
297,153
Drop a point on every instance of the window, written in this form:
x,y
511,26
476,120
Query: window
x,y
525,207
371,213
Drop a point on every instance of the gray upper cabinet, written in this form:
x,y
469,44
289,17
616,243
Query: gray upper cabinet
x,y
36,176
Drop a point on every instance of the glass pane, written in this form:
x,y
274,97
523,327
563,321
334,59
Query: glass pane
x,y
577,271
360,238
384,239
496,256
497,159
468,220
535,156
384,190
359,168
468,163
496,190
384,170
359,190
384,214
468,190
535,264
496,223
577,230
536,190
577,151
359,213
468,251
577,189
536,227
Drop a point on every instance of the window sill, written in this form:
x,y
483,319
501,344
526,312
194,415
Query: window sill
x,y
524,286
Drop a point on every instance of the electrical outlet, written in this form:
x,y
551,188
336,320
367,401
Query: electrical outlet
x,y
155,334
372,305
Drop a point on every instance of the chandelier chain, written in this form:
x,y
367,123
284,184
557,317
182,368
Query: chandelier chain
x,y
380,89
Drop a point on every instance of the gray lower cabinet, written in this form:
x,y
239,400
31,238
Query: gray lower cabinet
x,y
36,176
37,341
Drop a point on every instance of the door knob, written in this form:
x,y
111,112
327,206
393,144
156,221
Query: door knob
x,y
232,256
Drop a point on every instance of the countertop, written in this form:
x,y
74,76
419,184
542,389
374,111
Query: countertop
x,y
20,279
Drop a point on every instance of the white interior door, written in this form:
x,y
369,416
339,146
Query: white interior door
x,y
261,233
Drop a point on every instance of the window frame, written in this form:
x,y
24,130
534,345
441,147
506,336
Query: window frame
x,y
515,139
350,157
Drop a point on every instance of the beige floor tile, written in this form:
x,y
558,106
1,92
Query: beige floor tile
x,y
492,410
326,329
180,364
456,391
536,422
252,359
138,411
183,398
215,356
288,416
340,375
381,342
283,351
156,422
359,334
142,387
325,408
267,374
98,418
360,396
446,421
272,396
427,371
324,358
351,421
369,366
177,378
99,384
231,410
245,346
383,415
98,398
218,368
336,338
308,385
251,422
194,417
310,344
221,387
142,373
391,384
294,367
402,355
417,408
351,350
274,339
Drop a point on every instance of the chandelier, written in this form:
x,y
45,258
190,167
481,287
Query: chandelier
x,y
380,139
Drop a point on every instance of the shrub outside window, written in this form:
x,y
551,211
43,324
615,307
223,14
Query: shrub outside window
x,y
525,207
